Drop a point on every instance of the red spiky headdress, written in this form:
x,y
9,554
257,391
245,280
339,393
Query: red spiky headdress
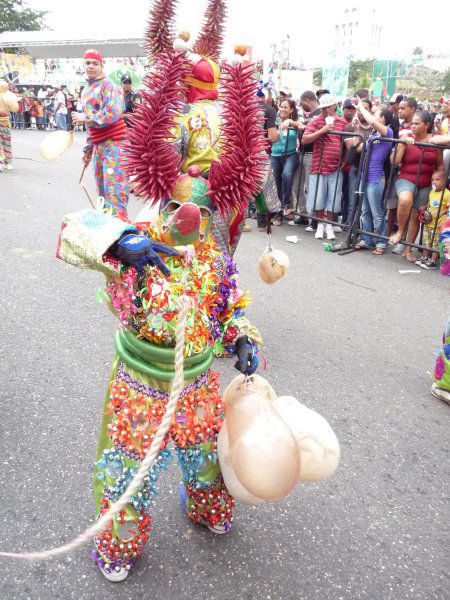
x,y
153,160
210,40
150,158
159,36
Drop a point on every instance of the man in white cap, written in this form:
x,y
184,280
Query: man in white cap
x,y
325,183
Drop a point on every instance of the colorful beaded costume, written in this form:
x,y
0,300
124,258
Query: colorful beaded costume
x,y
145,301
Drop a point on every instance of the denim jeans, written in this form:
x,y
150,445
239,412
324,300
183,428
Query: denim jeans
x,y
61,121
325,192
301,183
284,168
373,217
18,121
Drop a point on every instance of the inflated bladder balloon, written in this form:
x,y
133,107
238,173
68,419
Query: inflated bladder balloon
x,y
264,453
55,144
242,384
273,264
317,443
234,486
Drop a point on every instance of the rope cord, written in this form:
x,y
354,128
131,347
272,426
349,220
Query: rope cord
x,y
184,306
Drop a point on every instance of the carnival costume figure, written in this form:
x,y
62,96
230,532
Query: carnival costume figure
x,y
102,112
143,292
8,103
441,376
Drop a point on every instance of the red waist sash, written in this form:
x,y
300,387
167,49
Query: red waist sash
x,y
115,132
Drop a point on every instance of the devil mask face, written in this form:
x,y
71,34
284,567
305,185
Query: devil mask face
x,y
186,217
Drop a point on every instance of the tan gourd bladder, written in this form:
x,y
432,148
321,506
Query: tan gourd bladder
x,y
317,443
268,443
232,482
273,264
55,144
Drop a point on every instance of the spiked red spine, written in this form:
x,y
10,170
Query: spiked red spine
x,y
159,35
210,40
239,173
149,156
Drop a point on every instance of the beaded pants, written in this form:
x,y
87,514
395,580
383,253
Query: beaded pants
x,y
5,144
134,407
110,178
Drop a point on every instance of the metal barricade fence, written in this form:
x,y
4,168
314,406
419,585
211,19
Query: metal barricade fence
x,y
352,229
357,229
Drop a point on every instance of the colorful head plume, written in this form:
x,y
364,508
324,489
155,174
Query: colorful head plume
x,y
154,161
210,40
159,36
150,157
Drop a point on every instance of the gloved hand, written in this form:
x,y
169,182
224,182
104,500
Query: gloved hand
x,y
138,250
247,356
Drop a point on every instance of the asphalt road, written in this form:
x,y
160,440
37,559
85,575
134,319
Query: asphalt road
x,y
350,336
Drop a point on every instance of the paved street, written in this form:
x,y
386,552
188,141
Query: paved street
x,y
348,336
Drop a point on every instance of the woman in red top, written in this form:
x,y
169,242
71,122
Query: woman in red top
x,y
413,188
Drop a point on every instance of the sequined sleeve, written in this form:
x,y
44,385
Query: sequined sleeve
x,y
230,321
86,237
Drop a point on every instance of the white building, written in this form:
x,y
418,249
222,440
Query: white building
x,y
358,33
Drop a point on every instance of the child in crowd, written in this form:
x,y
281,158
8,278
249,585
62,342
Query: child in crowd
x,y
434,204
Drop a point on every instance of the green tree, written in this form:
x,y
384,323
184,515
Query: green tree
x,y
446,81
317,77
418,51
15,15
363,81
360,71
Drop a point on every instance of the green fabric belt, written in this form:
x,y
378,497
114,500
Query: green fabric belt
x,y
158,362
150,352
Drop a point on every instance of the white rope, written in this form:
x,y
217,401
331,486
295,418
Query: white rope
x,y
177,387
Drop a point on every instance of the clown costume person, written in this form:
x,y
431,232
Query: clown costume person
x,y
102,112
143,291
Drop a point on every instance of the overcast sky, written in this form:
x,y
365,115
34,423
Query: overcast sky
x,y
259,23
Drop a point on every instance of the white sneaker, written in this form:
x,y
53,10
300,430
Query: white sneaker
x,y
337,228
117,574
398,248
329,232
9,167
309,228
220,529
320,230
441,394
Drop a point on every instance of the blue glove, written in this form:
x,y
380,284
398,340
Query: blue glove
x,y
138,250
246,353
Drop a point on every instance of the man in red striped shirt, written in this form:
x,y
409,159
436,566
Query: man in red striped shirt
x,y
102,112
325,182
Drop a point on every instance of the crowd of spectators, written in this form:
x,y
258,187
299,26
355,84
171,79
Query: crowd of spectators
x,y
44,108
321,174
